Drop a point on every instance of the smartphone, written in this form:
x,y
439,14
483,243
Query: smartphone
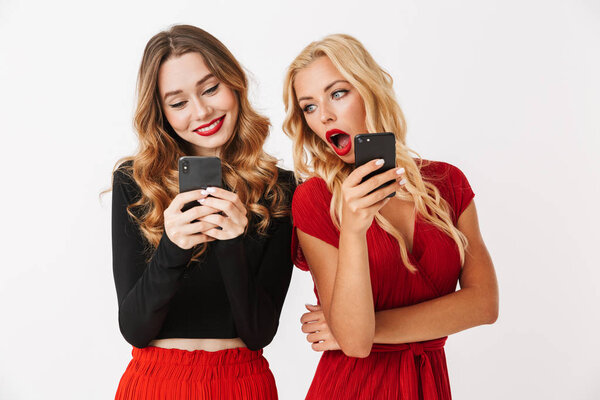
x,y
198,173
369,146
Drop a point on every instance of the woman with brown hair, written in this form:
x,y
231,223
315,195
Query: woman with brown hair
x,y
199,291
385,269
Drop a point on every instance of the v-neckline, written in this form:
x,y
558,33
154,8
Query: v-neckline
x,y
415,217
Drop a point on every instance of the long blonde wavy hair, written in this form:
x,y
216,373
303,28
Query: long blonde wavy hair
x,y
313,157
247,169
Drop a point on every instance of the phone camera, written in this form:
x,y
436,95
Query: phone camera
x,y
360,140
185,166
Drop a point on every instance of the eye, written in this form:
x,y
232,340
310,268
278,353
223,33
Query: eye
x,y
338,94
211,90
309,108
178,105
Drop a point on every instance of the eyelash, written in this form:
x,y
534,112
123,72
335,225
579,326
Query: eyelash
x,y
211,90
207,92
344,91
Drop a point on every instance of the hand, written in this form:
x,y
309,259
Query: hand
x,y
233,221
181,227
317,330
359,206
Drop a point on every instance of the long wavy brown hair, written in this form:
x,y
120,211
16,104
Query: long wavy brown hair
x,y
313,157
247,169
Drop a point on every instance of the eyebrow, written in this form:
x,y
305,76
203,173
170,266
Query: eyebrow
x,y
200,82
324,90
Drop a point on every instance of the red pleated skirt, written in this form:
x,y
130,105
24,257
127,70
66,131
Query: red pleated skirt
x,y
173,374
413,371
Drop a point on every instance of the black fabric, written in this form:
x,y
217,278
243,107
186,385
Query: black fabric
x,y
237,289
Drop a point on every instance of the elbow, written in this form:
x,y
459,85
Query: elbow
x,y
136,337
490,311
356,347
256,343
257,338
356,351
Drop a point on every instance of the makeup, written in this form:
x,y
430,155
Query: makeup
x,y
339,140
211,128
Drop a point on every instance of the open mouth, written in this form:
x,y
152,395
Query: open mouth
x,y
211,128
339,141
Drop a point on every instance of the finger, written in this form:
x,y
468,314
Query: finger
x,y
311,327
377,196
316,337
310,317
311,307
375,181
227,195
225,206
227,225
196,227
325,345
195,213
224,234
359,173
183,198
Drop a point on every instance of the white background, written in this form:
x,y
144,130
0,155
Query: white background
x,y
508,91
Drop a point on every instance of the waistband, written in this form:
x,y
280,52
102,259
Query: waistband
x,y
417,347
196,357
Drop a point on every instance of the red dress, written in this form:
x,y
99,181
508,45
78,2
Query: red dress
x,y
397,371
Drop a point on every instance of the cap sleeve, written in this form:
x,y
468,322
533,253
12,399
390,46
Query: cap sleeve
x,y
452,184
310,213
460,191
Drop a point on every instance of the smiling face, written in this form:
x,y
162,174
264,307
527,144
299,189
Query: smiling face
x,y
202,110
332,107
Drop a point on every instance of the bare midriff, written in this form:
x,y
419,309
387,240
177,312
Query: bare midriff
x,y
198,344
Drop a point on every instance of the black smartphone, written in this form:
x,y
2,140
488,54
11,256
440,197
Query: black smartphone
x,y
198,173
369,146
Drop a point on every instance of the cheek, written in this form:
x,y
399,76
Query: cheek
x,y
313,122
177,120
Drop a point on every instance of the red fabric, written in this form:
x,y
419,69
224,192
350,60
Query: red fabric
x,y
171,374
390,372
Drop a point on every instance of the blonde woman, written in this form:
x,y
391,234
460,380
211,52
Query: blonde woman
x,y
385,270
200,292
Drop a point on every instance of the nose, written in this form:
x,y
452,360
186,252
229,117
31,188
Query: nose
x,y
326,114
201,110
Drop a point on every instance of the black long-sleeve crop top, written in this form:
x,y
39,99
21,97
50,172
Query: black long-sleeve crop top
x,y
237,289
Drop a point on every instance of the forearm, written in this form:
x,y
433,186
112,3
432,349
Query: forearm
x,y
256,299
436,318
351,310
144,298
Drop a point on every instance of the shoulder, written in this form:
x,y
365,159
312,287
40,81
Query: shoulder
x,y
441,173
452,183
312,187
311,200
124,183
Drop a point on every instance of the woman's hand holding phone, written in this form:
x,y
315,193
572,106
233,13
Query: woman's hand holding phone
x,y
180,226
232,218
360,201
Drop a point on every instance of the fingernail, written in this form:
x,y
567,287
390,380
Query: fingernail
x,y
402,182
379,162
400,171
211,190
203,192
201,201
307,304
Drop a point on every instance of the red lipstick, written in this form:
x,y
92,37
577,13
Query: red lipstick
x,y
339,141
215,125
